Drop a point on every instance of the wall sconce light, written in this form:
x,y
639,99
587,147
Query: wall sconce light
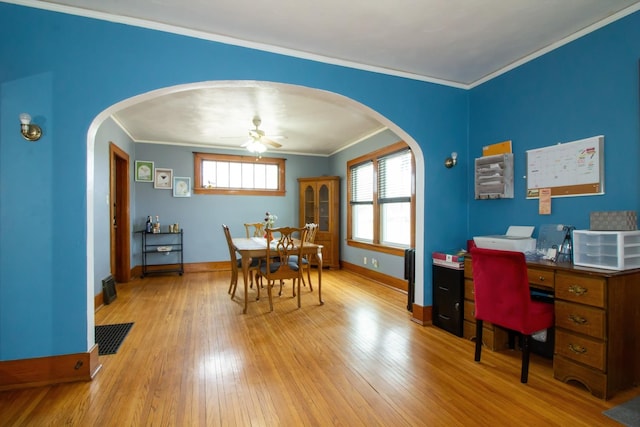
x,y
29,131
450,162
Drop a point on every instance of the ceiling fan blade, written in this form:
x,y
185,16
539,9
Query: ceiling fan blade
x,y
270,142
256,133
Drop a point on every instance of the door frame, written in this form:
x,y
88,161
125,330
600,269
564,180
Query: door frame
x,y
120,237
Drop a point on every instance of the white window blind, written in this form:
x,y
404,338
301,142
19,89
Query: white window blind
x,y
362,184
394,176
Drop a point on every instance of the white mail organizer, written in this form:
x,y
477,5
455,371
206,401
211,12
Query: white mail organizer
x,y
613,250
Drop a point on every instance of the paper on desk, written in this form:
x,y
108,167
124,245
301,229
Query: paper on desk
x,y
520,230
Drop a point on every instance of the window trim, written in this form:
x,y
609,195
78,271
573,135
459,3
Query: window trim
x,y
374,156
198,158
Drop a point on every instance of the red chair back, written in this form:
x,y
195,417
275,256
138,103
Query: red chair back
x,y
502,294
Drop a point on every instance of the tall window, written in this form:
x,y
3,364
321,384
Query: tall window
x,y
381,209
362,201
229,174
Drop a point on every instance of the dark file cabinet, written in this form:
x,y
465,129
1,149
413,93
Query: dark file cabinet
x,y
448,298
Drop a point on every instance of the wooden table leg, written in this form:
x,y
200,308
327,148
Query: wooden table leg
x,y
319,258
246,261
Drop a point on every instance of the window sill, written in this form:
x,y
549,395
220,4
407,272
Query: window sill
x,y
392,250
239,192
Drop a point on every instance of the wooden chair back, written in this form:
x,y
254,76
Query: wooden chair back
x,y
233,260
283,247
312,229
231,246
254,229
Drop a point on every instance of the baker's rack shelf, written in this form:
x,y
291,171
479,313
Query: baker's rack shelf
x,y
162,253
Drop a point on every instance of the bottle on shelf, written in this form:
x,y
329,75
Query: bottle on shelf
x,y
148,224
156,226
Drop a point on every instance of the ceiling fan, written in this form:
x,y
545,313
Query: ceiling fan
x,y
259,141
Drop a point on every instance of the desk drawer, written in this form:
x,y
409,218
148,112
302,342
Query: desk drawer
x,y
581,289
587,351
495,339
580,318
565,370
468,268
469,292
541,277
469,311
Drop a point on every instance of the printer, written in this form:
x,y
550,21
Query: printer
x,y
517,239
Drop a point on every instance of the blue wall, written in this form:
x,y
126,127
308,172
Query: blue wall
x,y
77,67
88,65
108,133
391,265
200,215
586,88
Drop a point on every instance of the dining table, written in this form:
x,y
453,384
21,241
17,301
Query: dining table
x,y
256,247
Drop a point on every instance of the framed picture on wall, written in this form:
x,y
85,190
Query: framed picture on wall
x,y
181,186
144,171
163,178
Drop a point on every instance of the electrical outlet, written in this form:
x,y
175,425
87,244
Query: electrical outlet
x,y
364,260
374,262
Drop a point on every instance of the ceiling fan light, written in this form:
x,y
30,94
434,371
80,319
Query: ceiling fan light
x,y
259,147
256,147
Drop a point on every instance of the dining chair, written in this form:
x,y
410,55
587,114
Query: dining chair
x,y
236,264
312,228
502,297
284,243
254,229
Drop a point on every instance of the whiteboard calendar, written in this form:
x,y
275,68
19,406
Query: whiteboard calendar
x,y
569,169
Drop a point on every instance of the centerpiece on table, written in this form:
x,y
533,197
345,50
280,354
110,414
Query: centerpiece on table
x,y
270,220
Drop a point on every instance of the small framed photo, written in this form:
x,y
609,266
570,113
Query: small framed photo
x,y
163,178
144,171
181,186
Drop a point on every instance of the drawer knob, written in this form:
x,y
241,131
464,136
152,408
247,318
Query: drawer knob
x,y
541,278
578,290
577,349
578,320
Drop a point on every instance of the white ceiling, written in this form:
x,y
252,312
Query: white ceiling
x,y
454,42
220,115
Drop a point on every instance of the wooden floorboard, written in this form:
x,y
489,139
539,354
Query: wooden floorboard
x,y
193,359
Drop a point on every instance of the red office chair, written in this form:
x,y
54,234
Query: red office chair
x,y
502,297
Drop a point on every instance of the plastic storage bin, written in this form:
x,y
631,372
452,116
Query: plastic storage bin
x,y
613,250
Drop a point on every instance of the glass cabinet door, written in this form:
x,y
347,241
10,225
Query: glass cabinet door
x,y
309,205
323,208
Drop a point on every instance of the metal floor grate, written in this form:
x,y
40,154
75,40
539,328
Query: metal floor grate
x,y
110,337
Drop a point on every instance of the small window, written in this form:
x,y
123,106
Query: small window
x,y
246,175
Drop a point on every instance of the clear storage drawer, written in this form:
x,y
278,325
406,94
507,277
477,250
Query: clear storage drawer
x,y
614,250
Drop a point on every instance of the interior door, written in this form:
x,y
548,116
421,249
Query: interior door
x,y
120,236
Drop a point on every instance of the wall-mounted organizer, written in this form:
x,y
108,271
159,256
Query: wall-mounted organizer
x,y
494,177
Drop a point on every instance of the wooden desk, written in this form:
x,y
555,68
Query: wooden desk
x,y
256,247
597,322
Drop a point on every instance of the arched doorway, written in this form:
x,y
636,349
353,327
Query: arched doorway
x,y
93,240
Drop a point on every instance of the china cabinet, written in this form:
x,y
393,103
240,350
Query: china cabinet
x,y
320,204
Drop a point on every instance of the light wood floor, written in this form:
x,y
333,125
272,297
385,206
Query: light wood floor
x,y
192,359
